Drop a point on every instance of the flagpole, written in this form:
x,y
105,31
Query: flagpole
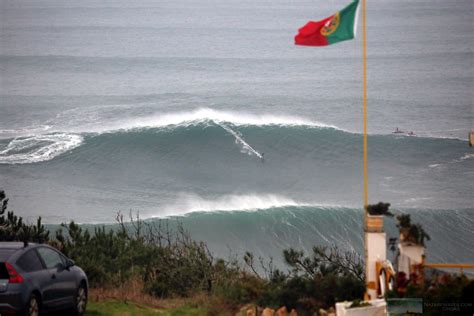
x,y
364,110
364,88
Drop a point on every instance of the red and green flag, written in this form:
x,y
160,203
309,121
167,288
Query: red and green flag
x,y
336,28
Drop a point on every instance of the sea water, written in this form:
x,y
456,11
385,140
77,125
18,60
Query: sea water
x,y
207,113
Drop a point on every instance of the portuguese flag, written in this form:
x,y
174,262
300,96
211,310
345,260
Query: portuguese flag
x,y
336,28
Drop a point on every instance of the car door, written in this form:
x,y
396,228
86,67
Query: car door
x,y
39,278
63,279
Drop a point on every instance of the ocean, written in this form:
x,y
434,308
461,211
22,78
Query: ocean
x,y
205,112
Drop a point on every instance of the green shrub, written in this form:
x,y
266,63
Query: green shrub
x,y
380,208
12,227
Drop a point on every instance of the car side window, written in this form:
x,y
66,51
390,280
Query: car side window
x,y
51,258
30,262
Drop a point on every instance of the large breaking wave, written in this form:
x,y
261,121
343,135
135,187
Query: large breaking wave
x,y
31,147
251,133
267,231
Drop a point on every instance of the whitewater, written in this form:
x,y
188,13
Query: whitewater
x,y
168,109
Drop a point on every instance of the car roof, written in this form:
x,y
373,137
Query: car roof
x,y
14,244
8,248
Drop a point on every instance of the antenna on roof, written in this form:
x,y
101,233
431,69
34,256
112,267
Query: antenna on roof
x,y
25,234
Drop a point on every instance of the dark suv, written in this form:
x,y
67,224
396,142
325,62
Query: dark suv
x,y
36,278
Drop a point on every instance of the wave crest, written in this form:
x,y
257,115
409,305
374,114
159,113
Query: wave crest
x,y
190,203
203,115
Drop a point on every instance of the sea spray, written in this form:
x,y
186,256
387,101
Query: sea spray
x,y
189,203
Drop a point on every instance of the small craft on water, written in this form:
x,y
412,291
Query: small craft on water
x,y
398,131
411,133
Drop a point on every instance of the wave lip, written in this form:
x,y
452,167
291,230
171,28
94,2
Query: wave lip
x,y
188,118
190,203
38,148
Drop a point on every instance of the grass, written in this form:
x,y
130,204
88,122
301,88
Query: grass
x,y
123,308
129,300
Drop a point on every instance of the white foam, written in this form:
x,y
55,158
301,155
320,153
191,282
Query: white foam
x,y
187,118
189,203
38,148
466,156
418,199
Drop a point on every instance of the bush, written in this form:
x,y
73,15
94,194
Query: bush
x,y
169,264
379,209
314,282
411,232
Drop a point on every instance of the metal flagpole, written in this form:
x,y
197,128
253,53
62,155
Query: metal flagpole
x,y
364,88
364,107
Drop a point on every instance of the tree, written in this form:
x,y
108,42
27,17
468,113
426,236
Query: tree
x,y
324,261
411,232
12,227
380,208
